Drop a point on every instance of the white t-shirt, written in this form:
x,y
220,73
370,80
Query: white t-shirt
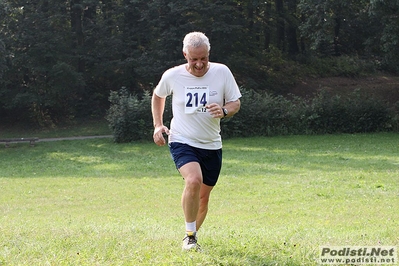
x,y
192,124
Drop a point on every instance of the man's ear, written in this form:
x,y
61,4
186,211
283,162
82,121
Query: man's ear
x,y
185,55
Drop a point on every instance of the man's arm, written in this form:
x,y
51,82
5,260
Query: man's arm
x,y
157,109
217,111
232,107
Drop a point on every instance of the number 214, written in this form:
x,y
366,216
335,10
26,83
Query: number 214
x,y
194,98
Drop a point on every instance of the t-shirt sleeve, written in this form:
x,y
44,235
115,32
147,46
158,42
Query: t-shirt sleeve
x,y
164,88
232,91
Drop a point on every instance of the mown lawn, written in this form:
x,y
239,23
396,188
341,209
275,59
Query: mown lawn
x,y
94,202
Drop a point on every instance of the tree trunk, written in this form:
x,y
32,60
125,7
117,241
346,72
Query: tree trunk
x,y
77,29
337,51
266,29
292,38
280,31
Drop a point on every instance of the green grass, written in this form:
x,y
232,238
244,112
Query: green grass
x,y
94,202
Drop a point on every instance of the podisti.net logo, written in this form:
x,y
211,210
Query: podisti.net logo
x,y
358,255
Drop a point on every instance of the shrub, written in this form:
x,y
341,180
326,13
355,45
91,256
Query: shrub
x,y
394,123
264,114
129,117
353,113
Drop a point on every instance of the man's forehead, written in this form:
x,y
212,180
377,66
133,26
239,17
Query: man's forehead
x,y
197,52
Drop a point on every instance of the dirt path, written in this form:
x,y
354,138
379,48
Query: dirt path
x,y
74,138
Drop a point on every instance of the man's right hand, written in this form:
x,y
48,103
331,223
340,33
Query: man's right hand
x,y
158,135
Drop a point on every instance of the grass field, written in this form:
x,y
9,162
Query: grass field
x,y
94,202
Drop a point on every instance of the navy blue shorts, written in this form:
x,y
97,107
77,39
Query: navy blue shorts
x,y
210,161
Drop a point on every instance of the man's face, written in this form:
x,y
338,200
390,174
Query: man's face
x,y
197,59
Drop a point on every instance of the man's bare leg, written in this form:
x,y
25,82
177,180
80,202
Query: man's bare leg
x,y
203,207
190,200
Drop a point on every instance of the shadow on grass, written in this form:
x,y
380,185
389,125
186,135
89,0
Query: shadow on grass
x,y
86,158
275,156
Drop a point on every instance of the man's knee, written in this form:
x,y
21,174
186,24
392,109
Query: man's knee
x,y
193,182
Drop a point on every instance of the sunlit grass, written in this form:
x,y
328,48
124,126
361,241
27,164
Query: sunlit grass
x,y
94,202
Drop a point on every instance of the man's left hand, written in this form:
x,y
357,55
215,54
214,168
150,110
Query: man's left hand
x,y
215,110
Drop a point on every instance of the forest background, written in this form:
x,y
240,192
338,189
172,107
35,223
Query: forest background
x,y
65,60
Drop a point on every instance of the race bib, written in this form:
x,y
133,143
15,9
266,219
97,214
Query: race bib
x,y
196,99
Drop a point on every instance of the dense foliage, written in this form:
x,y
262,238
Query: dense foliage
x,y
129,117
263,114
267,115
60,59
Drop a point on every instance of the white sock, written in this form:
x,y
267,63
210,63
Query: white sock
x,y
191,227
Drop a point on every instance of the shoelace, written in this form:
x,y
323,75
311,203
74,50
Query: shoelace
x,y
191,239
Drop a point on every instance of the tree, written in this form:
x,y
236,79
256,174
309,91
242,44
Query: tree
x,y
329,25
36,37
384,20
60,59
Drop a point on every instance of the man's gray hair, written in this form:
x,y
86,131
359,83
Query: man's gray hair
x,y
195,39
